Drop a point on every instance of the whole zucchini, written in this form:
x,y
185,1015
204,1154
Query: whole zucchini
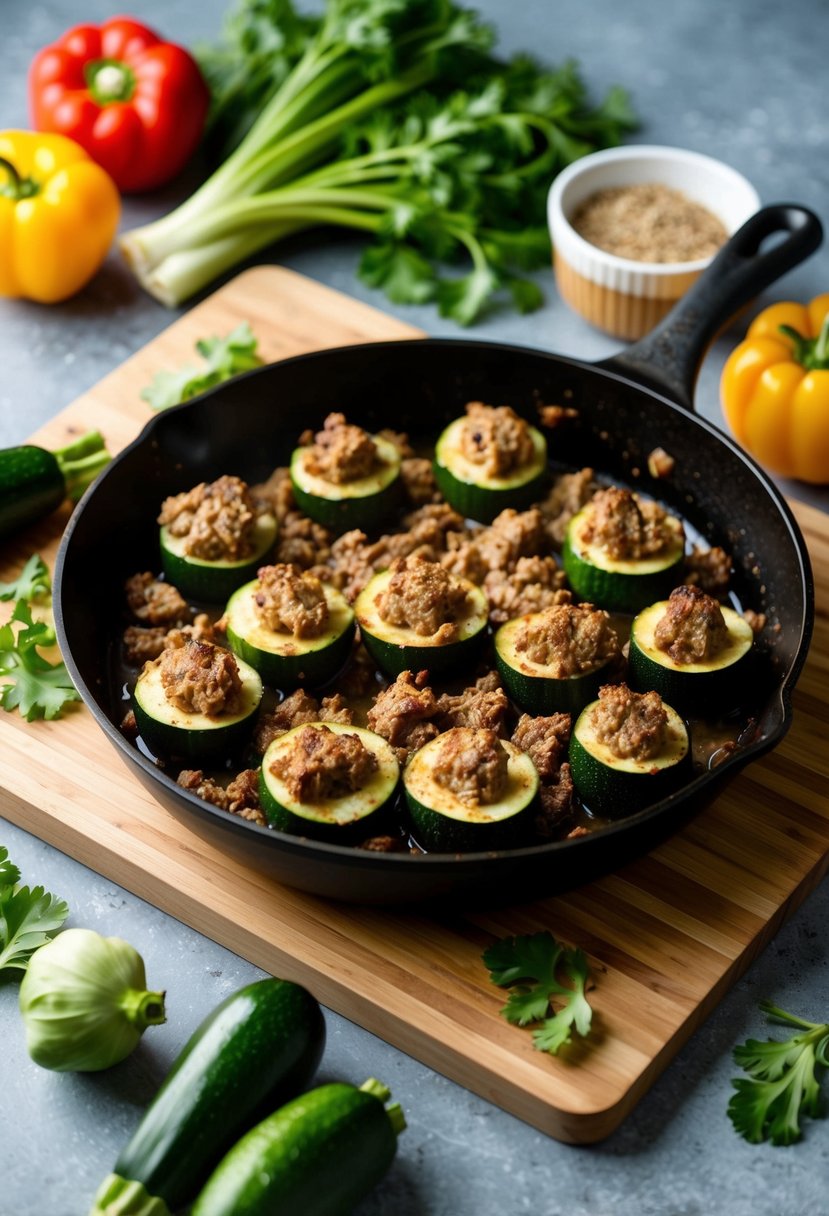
x,y
258,1048
34,481
318,1156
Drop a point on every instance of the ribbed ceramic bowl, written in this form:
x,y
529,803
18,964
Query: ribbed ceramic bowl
x,y
621,296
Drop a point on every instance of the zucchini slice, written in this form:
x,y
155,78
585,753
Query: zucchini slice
x,y
716,685
533,686
620,585
280,658
476,496
341,506
612,786
341,819
397,648
213,581
197,738
444,824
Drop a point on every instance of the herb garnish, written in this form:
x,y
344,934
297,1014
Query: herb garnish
x,y
224,359
34,686
28,917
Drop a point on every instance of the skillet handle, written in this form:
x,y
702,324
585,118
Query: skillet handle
x,y
669,357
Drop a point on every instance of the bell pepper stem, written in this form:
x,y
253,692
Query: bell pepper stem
x,y
81,461
811,353
109,80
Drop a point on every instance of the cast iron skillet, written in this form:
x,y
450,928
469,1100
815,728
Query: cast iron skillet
x,y
626,406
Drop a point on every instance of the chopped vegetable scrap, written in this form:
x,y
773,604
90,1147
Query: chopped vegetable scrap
x,y
33,685
29,917
224,358
783,1080
539,957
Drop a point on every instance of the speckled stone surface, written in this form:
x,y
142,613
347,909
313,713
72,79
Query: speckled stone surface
x,y
742,81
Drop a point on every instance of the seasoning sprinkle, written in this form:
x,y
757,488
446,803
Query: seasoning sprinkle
x,y
649,222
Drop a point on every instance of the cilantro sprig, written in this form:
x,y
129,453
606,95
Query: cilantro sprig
x,y
29,917
223,358
32,684
783,1082
538,957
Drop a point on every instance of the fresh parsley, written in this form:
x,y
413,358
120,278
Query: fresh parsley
x,y
33,685
539,957
29,917
783,1080
33,583
223,358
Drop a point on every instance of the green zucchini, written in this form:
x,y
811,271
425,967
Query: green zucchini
x,y
620,585
34,481
363,503
281,659
196,738
476,496
342,819
317,1156
532,685
397,648
715,686
213,581
257,1049
612,786
443,823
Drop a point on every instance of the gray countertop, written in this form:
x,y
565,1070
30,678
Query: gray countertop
x,y
743,81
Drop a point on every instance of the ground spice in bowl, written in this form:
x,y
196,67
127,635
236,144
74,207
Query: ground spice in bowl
x,y
649,222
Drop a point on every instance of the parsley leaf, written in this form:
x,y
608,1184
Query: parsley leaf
x,y
223,358
33,583
28,918
36,687
539,957
783,1081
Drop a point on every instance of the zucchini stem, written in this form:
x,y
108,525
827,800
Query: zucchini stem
x,y
143,1009
81,461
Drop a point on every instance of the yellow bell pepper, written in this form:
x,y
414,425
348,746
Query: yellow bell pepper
x,y
58,215
775,390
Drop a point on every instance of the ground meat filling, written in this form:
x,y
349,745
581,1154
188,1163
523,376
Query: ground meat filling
x,y
240,796
496,438
201,678
472,763
321,764
302,542
569,493
631,724
709,569
341,452
297,709
545,740
568,639
693,628
155,602
483,705
535,583
290,600
404,713
216,520
626,527
424,597
511,536
142,644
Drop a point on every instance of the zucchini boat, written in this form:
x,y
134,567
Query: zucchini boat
x,y
612,786
282,659
397,648
197,738
620,585
536,687
716,685
444,823
257,1049
361,503
213,581
341,819
473,493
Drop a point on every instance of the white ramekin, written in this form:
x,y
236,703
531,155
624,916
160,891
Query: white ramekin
x,y
623,297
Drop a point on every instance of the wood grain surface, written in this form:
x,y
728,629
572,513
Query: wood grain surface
x,y
666,935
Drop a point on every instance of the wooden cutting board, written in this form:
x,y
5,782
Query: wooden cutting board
x,y
666,936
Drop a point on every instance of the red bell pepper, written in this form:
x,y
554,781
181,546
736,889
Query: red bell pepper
x,y
135,103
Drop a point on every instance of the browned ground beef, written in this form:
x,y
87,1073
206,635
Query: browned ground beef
x,y
290,600
216,520
320,764
384,844
419,480
709,569
155,602
142,644
341,452
354,558
569,493
421,595
631,724
757,620
496,438
302,542
472,763
570,639
404,713
296,710
556,798
545,740
626,527
201,678
483,704
692,629
277,491
240,797
533,584
511,536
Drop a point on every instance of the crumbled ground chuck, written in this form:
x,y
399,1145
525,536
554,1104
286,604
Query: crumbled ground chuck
x,y
709,569
472,763
361,677
290,600
296,710
216,520
496,438
569,493
483,704
421,595
155,602
569,639
627,527
692,628
535,583
341,452
418,480
240,796
302,542
554,820
756,620
511,536
201,678
404,713
354,559
384,844
631,724
400,440
277,492
545,742
142,644
320,764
